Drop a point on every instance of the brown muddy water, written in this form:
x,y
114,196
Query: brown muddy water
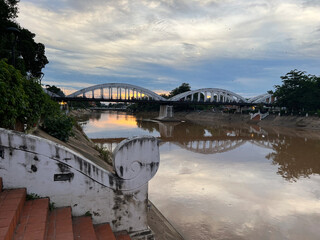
x,y
230,183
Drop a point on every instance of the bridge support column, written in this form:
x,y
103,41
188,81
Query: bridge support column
x,y
166,111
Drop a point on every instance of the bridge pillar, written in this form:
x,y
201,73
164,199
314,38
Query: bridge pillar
x,y
166,111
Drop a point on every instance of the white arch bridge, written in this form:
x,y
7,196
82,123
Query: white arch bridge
x,y
123,92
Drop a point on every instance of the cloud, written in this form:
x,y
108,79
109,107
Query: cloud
x,y
121,38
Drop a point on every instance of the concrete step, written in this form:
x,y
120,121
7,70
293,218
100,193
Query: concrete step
x,y
83,229
11,205
60,224
0,184
33,220
104,232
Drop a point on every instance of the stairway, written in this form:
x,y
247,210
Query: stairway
x,y
32,220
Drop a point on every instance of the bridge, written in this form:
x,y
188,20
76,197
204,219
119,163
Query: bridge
x,y
123,92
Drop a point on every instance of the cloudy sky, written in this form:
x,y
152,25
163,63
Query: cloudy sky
x,y
240,45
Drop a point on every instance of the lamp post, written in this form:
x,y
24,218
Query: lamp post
x,y
41,75
14,31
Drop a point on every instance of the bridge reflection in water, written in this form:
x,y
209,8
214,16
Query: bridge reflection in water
x,y
294,155
197,139
230,181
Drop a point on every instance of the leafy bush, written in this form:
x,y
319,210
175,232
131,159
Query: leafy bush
x,y
58,126
13,100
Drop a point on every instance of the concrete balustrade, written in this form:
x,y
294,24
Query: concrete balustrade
x,y
49,169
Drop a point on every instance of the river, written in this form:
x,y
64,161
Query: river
x,y
230,182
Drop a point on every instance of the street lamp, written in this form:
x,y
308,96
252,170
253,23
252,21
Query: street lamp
x,y
41,75
14,31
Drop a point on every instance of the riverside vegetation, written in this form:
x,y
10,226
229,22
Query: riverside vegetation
x,y
23,103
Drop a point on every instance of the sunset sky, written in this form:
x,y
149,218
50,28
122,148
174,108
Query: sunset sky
x,y
240,45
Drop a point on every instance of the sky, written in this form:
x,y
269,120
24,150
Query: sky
x,y
243,46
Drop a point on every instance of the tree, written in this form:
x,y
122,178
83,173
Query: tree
x,y
184,87
298,92
55,90
291,161
33,54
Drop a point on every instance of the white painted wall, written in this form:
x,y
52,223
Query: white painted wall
x,y
69,179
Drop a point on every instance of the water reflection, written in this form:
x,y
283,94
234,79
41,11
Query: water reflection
x,y
295,156
230,182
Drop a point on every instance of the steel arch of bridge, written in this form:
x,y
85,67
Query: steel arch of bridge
x,y
128,92
123,91
210,95
263,98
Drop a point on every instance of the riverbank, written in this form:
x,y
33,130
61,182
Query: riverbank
x,y
221,119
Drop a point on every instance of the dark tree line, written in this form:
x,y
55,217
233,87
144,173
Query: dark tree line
x,y
29,56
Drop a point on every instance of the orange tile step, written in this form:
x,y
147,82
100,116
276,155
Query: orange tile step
x,y
11,204
83,229
33,220
104,232
123,235
60,224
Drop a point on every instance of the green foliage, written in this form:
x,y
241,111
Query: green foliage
x,y
36,100
88,214
32,196
58,126
55,90
299,92
33,53
24,100
13,100
184,87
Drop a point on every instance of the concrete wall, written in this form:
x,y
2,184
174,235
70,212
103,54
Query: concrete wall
x,y
49,169
166,111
